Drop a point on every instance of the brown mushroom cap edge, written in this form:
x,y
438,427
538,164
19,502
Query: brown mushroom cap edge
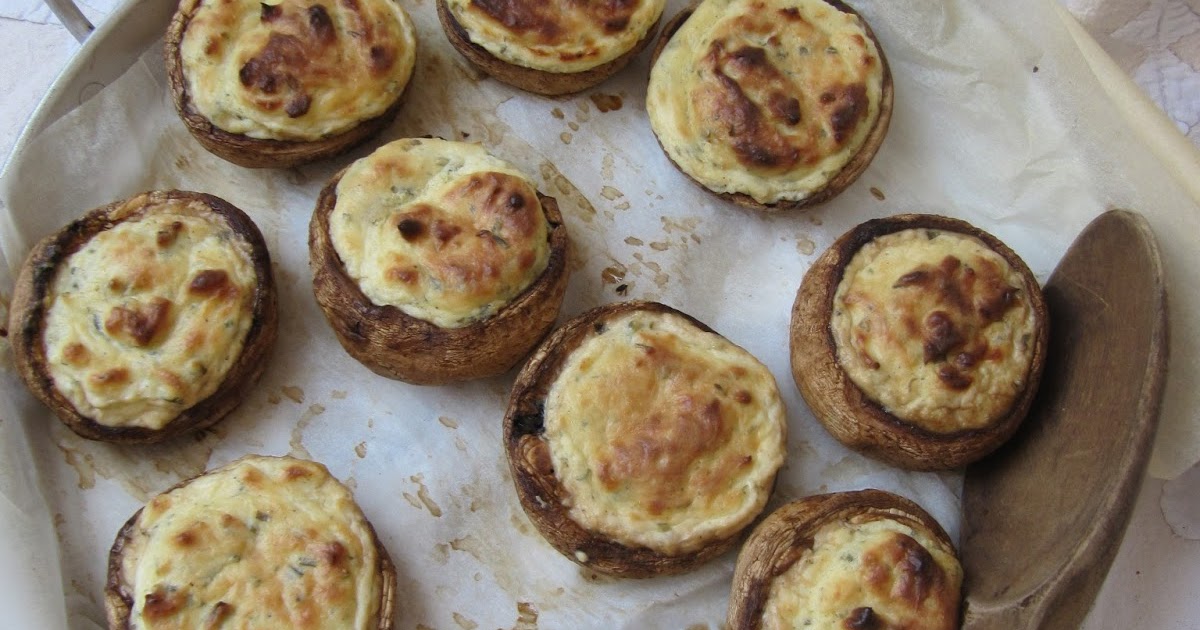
x,y
530,79
848,173
29,308
539,490
394,344
787,533
843,408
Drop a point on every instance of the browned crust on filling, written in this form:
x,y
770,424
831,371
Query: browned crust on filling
x,y
527,16
498,202
118,588
949,334
538,488
271,75
786,534
396,345
852,417
29,310
758,146
540,18
746,78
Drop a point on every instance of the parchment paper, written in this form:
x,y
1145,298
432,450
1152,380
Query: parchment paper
x,y
998,121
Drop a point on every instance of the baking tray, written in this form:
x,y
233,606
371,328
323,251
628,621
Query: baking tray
x,y
997,121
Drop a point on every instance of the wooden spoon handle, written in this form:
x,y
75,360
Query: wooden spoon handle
x,y
1044,515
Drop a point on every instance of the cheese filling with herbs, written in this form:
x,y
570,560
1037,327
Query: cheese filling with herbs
x,y
441,230
767,98
292,69
867,574
664,435
936,327
262,543
146,319
557,35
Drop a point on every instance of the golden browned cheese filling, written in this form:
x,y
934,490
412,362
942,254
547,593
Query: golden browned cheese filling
x,y
768,98
556,35
936,327
263,543
663,435
441,230
146,319
868,575
295,69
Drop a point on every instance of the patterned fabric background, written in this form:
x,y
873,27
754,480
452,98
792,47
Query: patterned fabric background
x,y
1158,43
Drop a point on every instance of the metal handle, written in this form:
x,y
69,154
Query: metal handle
x,y
71,17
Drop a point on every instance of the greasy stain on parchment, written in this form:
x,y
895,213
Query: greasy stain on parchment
x,y
84,590
497,553
295,394
583,113
441,110
464,622
614,273
143,471
475,496
527,617
557,185
685,226
521,524
576,211
607,102
677,234
296,442
423,499
805,245
660,277
610,193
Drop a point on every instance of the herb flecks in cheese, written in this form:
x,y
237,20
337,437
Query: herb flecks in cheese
x,y
265,542
936,327
867,574
146,319
766,98
664,435
295,70
441,230
556,35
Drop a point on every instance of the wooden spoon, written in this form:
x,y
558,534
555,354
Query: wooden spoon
x,y
1044,515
